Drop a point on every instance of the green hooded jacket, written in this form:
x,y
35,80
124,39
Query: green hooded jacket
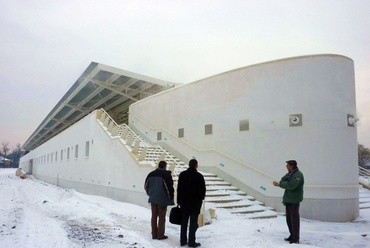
x,y
293,185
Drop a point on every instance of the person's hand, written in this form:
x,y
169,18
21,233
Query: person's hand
x,y
276,184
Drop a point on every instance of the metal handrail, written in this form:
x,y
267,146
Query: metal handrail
x,y
364,177
363,172
117,131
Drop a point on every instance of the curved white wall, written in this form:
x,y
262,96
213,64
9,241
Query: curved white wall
x,y
321,88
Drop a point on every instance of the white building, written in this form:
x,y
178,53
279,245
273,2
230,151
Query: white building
x,y
241,125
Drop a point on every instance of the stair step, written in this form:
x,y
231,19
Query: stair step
x,y
364,200
206,174
217,183
223,199
220,194
364,205
221,187
215,193
213,179
239,192
226,192
248,210
239,204
268,214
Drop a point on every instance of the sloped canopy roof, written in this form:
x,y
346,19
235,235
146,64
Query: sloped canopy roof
x,y
99,86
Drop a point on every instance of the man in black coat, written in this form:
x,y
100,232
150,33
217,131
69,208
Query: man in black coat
x,y
159,187
191,190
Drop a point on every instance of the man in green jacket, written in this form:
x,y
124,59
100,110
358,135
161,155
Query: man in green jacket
x,y
293,183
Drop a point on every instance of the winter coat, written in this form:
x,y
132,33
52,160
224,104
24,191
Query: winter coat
x,y
191,190
159,187
293,185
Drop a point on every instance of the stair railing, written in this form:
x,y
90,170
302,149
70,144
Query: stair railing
x,y
363,172
364,177
133,140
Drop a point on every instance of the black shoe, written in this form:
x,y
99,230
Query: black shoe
x,y
294,242
183,244
194,245
289,238
164,237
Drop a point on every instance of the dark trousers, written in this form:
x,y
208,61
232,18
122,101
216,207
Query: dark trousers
x,y
193,226
158,220
292,220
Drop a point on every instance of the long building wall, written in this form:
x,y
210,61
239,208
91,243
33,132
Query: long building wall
x,y
244,124
85,158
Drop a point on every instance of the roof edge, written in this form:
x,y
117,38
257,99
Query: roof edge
x,y
277,61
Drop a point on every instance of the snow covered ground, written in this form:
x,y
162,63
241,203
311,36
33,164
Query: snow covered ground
x,y
37,214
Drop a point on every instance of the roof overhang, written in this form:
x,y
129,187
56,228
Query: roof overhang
x,y
99,86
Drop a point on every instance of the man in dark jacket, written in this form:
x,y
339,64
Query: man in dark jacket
x,y
191,190
293,183
159,188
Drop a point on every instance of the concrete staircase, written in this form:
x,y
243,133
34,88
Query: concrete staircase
x,y
223,195
220,194
364,194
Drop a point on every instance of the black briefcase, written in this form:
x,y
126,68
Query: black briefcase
x,y
175,215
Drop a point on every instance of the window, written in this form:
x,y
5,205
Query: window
x,y
76,152
56,156
208,129
61,155
87,149
181,133
243,125
68,153
159,136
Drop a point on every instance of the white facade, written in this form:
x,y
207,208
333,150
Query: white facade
x,y
241,125
299,108
104,168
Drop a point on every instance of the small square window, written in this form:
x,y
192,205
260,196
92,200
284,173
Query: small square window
x,y
208,129
159,136
181,133
243,125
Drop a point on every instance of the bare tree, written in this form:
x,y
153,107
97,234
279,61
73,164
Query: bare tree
x,y
17,153
5,148
363,155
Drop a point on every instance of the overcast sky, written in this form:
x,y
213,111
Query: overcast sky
x,y
46,45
